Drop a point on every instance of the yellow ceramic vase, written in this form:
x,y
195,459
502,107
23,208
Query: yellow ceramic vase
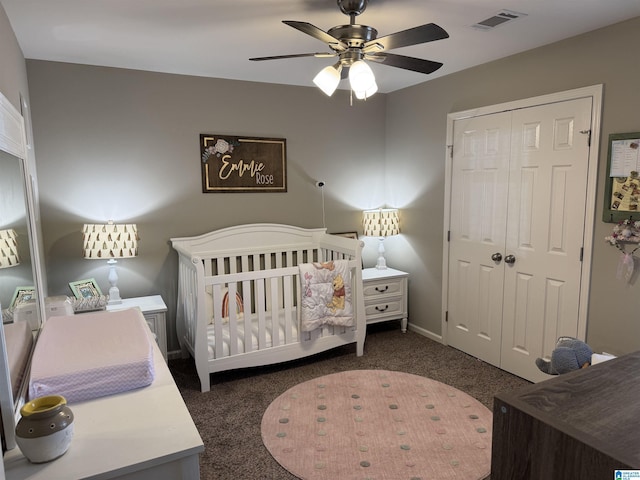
x,y
45,430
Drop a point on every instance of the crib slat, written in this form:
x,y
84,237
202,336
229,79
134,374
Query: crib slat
x,y
232,289
260,311
246,302
220,265
275,311
217,321
288,308
268,265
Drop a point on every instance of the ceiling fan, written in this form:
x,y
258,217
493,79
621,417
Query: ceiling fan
x,y
354,43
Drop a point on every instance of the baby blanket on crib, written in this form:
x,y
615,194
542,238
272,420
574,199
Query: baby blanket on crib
x,y
326,295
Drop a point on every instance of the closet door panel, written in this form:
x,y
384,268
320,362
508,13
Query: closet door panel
x,y
477,232
548,175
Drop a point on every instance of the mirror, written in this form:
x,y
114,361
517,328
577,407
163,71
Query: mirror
x,y
16,271
21,289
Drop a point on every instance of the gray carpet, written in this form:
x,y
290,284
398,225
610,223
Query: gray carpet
x,y
228,417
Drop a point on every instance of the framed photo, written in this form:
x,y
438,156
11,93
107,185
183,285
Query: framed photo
x,y
22,295
85,288
353,235
622,182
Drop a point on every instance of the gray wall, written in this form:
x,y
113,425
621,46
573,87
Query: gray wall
x,y
13,74
124,145
415,131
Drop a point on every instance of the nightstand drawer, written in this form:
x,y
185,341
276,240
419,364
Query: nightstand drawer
x,y
385,295
393,286
393,307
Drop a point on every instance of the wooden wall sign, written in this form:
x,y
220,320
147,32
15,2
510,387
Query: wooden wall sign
x,y
243,164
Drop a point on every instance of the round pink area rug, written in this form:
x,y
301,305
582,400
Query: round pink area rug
x,y
378,424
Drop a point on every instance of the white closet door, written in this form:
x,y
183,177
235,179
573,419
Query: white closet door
x,y
545,224
477,232
517,213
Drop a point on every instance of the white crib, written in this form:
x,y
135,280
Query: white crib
x,y
239,291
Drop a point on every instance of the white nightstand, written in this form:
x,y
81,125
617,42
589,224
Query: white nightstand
x,y
155,312
385,295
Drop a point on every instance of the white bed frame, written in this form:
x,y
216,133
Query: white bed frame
x,y
260,263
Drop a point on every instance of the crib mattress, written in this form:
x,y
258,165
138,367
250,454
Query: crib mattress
x,y
92,355
226,339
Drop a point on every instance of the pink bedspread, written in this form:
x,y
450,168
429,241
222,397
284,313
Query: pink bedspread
x,y
92,355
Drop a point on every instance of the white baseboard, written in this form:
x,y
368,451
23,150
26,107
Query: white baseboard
x,y
425,333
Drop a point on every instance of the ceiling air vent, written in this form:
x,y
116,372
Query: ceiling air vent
x,y
499,18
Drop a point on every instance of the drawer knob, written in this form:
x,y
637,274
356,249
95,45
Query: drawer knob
x,y
382,309
382,290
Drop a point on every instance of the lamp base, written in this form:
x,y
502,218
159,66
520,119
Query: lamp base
x,y
382,263
114,292
114,296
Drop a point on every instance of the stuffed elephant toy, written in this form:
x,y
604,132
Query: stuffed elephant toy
x,y
570,354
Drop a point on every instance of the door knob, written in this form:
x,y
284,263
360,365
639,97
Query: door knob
x,y
510,259
496,257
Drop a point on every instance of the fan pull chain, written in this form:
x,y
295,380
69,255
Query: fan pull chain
x,y
324,223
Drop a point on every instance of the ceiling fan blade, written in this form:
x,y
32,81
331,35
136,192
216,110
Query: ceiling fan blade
x,y
315,32
408,63
295,55
412,36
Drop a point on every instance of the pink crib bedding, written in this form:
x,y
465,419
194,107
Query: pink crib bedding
x,y
92,355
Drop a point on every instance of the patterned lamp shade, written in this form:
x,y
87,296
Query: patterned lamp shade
x,y
110,240
381,222
9,249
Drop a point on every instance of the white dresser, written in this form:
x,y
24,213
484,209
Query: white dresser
x,y
142,434
385,295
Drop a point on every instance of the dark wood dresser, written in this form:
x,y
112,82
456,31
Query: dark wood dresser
x,y
580,425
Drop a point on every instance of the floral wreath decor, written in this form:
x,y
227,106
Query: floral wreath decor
x,y
626,231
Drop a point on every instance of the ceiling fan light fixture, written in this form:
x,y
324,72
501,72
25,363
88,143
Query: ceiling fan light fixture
x,y
363,95
362,80
354,43
328,79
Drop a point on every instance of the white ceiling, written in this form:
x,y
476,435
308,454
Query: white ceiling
x,y
215,38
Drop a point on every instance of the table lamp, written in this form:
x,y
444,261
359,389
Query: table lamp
x,y
9,248
111,240
383,222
